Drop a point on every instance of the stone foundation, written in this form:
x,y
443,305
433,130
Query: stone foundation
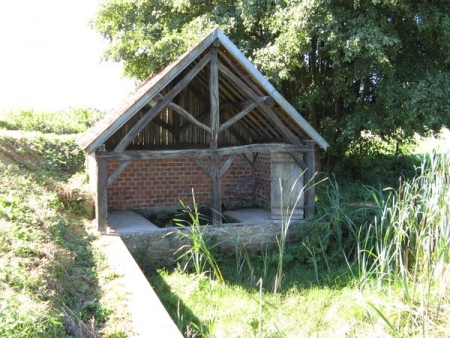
x,y
161,247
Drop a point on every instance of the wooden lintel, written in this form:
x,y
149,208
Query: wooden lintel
x,y
265,107
237,117
117,172
227,164
249,148
189,117
202,165
155,110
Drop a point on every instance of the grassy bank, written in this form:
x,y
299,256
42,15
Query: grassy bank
x,y
54,281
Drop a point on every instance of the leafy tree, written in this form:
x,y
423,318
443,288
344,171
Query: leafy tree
x,y
352,67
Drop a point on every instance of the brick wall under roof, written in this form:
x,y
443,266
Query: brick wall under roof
x,y
164,182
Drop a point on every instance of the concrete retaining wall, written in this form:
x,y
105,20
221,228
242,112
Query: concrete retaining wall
x,y
161,247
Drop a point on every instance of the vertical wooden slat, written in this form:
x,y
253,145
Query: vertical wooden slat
x,y
215,124
310,189
101,199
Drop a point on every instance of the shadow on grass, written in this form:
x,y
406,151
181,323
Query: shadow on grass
x,y
182,315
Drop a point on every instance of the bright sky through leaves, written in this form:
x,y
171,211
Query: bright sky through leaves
x,y
50,57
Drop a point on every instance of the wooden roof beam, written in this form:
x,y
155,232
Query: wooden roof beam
x,y
162,104
269,112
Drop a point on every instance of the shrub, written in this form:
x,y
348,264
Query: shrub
x,y
72,121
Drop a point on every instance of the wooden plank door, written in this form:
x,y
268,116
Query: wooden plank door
x,y
287,185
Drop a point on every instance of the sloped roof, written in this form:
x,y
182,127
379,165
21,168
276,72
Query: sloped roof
x,y
241,81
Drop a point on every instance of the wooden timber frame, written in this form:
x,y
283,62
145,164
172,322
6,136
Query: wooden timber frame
x,y
210,102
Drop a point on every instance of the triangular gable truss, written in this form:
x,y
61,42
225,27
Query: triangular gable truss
x,y
231,80
149,90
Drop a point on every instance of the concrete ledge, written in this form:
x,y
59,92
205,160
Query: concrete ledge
x,y
149,317
161,247
128,222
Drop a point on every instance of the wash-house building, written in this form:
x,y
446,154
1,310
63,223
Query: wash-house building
x,y
208,123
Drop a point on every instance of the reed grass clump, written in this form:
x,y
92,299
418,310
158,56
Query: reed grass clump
x,y
407,245
197,250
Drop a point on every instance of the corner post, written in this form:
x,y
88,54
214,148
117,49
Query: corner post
x,y
101,198
310,191
215,124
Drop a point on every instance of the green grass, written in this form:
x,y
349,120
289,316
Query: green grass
x,y
54,281
301,309
375,266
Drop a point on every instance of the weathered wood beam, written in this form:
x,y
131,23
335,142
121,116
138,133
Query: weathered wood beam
x,y
202,165
155,110
246,79
232,50
249,160
235,133
285,131
187,124
227,164
215,124
101,197
248,148
299,160
189,117
91,141
310,189
237,117
117,172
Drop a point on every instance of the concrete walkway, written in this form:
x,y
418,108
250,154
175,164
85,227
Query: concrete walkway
x,y
128,222
250,215
148,315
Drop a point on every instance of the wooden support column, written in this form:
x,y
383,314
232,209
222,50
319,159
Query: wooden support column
x,y
310,181
215,126
101,199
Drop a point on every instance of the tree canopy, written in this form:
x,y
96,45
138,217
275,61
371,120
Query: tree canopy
x,y
351,67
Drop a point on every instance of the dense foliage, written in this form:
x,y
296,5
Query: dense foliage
x,y
71,121
353,67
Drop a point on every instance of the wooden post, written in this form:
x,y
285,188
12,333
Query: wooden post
x,y
215,126
310,181
101,199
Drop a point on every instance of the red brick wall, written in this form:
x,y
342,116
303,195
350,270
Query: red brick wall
x,y
263,180
164,182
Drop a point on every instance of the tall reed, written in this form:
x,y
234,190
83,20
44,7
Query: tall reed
x,y
197,251
288,209
407,245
